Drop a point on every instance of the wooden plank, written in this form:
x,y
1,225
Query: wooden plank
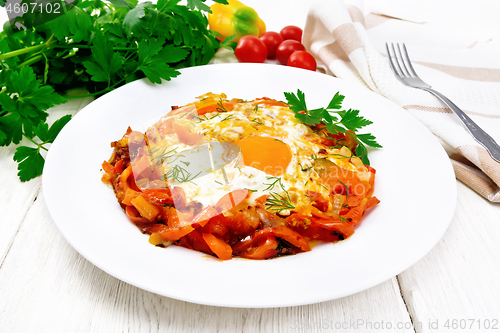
x,y
46,286
17,197
458,280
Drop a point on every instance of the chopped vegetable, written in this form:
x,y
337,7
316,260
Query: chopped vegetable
x,y
235,20
146,209
221,249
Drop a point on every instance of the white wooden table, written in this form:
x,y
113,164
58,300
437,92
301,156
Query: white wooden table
x,y
46,286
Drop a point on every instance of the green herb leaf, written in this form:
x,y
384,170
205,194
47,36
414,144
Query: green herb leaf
x,y
297,102
369,140
334,128
121,3
133,17
362,152
298,105
167,5
153,62
30,163
23,103
350,121
106,61
30,95
227,43
198,4
277,203
76,25
336,102
42,131
55,128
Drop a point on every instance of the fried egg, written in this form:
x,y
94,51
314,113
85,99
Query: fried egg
x,y
277,156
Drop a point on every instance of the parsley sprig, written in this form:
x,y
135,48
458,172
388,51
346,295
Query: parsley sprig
x,y
335,120
96,46
30,160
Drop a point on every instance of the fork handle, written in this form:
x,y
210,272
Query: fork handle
x,y
481,136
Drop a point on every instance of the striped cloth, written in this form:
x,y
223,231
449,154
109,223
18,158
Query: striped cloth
x,y
352,46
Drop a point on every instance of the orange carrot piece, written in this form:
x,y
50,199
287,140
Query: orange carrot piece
x,y
214,107
221,249
106,178
282,232
185,135
204,216
231,200
270,102
168,234
133,214
123,183
119,166
129,195
173,235
144,208
108,168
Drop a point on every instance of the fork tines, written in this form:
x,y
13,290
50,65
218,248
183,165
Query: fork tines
x,y
401,64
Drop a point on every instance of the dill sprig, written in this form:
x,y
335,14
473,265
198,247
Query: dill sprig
x,y
220,106
278,203
205,117
238,160
227,118
164,155
307,168
340,156
180,175
274,181
346,188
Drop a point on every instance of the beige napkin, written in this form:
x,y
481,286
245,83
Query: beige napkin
x,y
352,46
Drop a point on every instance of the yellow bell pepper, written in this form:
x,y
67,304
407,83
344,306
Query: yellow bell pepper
x,y
235,19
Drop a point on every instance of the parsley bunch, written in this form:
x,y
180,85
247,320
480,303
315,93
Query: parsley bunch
x,y
98,46
335,120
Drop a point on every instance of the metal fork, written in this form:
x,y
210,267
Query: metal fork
x,y
402,68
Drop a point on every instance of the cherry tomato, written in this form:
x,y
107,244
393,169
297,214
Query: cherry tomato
x,y
251,49
291,32
302,59
272,40
286,49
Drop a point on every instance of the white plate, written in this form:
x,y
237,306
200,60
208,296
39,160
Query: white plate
x,y
414,182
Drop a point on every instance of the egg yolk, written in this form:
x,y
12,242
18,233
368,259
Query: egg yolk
x,y
266,154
